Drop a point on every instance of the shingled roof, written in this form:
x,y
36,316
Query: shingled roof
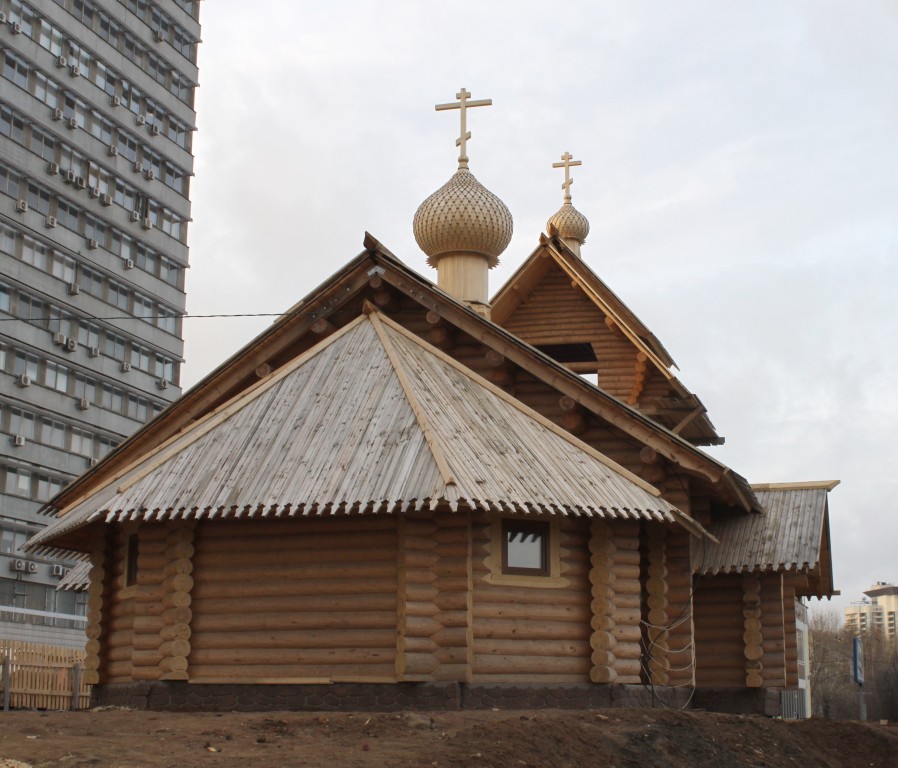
x,y
790,535
370,420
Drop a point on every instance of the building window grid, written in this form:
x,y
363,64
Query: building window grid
x,y
64,380
120,39
114,240
43,314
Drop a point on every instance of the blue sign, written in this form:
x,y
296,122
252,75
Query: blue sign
x,y
857,661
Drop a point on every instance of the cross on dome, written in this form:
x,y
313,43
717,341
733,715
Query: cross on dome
x,y
463,104
567,160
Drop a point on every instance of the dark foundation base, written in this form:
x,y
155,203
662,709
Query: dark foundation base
x,y
741,701
379,697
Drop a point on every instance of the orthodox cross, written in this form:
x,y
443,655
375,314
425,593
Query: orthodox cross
x,y
463,104
567,160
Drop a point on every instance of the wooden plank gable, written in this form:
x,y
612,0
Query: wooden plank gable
x,y
557,303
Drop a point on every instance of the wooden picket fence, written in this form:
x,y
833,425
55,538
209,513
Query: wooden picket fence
x,y
36,676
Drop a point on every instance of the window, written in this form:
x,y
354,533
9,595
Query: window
x,y
525,551
131,553
18,482
525,547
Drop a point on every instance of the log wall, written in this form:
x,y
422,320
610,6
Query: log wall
x,y
117,612
532,634
308,599
98,607
435,639
773,638
616,592
790,631
719,627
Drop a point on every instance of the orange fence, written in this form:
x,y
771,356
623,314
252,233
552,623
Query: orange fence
x,y
36,676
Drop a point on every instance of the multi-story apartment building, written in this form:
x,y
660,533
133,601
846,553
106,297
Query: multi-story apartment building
x,y
96,122
875,614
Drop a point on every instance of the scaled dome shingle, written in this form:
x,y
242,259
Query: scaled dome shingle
x,y
463,216
570,223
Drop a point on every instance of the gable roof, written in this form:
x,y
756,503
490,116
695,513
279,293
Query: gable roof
x,y
370,420
277,345
683,413
791,535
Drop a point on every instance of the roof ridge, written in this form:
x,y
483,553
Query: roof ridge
x,y
523,408
435,449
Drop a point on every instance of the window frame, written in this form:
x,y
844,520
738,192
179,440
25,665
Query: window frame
x,y
512,526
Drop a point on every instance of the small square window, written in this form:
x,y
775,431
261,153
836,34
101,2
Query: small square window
x,y
525,547
131,551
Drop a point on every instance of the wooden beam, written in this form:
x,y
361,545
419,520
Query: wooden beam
x,y
695,413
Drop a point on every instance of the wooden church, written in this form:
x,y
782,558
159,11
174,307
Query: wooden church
x,y
404,494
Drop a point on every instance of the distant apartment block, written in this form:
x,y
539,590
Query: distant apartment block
x,y
96,124
877,613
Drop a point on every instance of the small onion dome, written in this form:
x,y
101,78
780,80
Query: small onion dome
x,y
463,216
570,224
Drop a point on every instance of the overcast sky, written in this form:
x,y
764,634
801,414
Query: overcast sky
x,y
740,175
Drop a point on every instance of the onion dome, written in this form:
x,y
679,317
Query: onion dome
x,y
463,216
570,223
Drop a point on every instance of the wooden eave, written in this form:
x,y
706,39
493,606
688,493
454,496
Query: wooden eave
x,y
790,536
238,372
688,416
421,430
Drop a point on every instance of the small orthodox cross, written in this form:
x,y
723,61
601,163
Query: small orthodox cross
x,y
567,160
463,104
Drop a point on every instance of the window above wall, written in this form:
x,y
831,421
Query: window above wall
x,y
525,547
525,552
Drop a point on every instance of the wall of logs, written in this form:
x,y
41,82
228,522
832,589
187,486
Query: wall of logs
x,y
719,630
309,599
529,634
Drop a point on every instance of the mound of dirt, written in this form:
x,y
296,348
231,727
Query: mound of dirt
x,y
616,738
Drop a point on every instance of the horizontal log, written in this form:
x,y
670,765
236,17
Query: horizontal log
x,y
304,533
417,559
530,612
261,589
452,601
453,654
448,672
627,668
624,633
624,616
332,570
295,621
275,641
288,673
627,650
488,664
421,626
554,678
424,593
418,644
294,604
418,608
296,657
551,648
148,658
507,629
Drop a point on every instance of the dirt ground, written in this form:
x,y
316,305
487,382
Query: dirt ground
x,y
617,738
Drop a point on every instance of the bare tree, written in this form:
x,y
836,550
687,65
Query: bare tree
x,y
833,692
